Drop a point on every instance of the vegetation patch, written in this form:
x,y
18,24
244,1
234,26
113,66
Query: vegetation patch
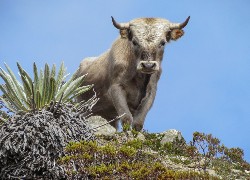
x,y
120,161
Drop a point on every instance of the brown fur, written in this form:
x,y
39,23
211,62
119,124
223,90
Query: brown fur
x,y
176,34
149,21
125,77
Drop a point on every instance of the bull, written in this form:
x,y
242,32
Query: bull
x,y
125,77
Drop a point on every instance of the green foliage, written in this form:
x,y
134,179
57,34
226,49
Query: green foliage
x,y
127,151
205,151
101,170
133,158
46,86
234,154
125,127
134,132
205,147
177,147
153,141
135,143
122,161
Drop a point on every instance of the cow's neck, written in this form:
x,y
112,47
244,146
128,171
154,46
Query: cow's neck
x,y
142,82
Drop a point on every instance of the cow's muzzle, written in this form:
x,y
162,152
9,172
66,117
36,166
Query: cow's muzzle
x,y
148,67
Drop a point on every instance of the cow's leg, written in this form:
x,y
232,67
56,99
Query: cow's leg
x,y
146,103
142,110
118,96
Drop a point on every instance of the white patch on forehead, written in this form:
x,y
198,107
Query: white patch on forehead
x,y
149,34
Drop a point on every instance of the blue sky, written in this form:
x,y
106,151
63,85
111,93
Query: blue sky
x,y
205,85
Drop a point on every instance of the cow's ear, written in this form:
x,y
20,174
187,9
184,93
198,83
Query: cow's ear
x,y
175,34
126,34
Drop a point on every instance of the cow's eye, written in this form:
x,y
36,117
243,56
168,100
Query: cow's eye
x,y
135,43
162,43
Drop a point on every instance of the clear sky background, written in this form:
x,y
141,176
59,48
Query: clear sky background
x,y
205,85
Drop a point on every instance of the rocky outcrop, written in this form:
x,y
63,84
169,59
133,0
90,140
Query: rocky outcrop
x,y
170,136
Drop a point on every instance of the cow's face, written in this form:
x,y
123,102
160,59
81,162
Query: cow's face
x,y
148,37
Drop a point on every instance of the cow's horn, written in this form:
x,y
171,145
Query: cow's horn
x,y
179,25
120,25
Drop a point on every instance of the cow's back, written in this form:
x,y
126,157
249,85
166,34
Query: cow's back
x,y
96,70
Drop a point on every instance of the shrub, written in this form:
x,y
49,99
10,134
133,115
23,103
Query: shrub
x,y
44,120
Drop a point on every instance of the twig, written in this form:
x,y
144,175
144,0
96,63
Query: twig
x,y
74,166
86,103
53,105
17,177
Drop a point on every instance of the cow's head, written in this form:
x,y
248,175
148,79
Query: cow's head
x,y
148,37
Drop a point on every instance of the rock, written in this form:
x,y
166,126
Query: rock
x,y
236,171
106,130
212,172
140,136
129,135
170,135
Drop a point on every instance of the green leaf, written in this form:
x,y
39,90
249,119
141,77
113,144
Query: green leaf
x,y
25,74
53,71
41,81
27,89
65,86
10,87
16,104
79,91
16,85
8,105
45,84
36,79
60,77
38,100
72,87
52,88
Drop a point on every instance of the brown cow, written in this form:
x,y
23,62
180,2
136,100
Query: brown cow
x,y
125,77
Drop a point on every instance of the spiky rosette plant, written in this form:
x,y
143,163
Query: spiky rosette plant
x,y
44,120
40,92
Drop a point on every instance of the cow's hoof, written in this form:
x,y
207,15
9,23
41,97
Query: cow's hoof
x,y
137,127
127,120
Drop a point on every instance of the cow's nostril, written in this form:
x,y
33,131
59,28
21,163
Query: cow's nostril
x,y
148,65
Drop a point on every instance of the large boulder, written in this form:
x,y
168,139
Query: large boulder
x,y
96,122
